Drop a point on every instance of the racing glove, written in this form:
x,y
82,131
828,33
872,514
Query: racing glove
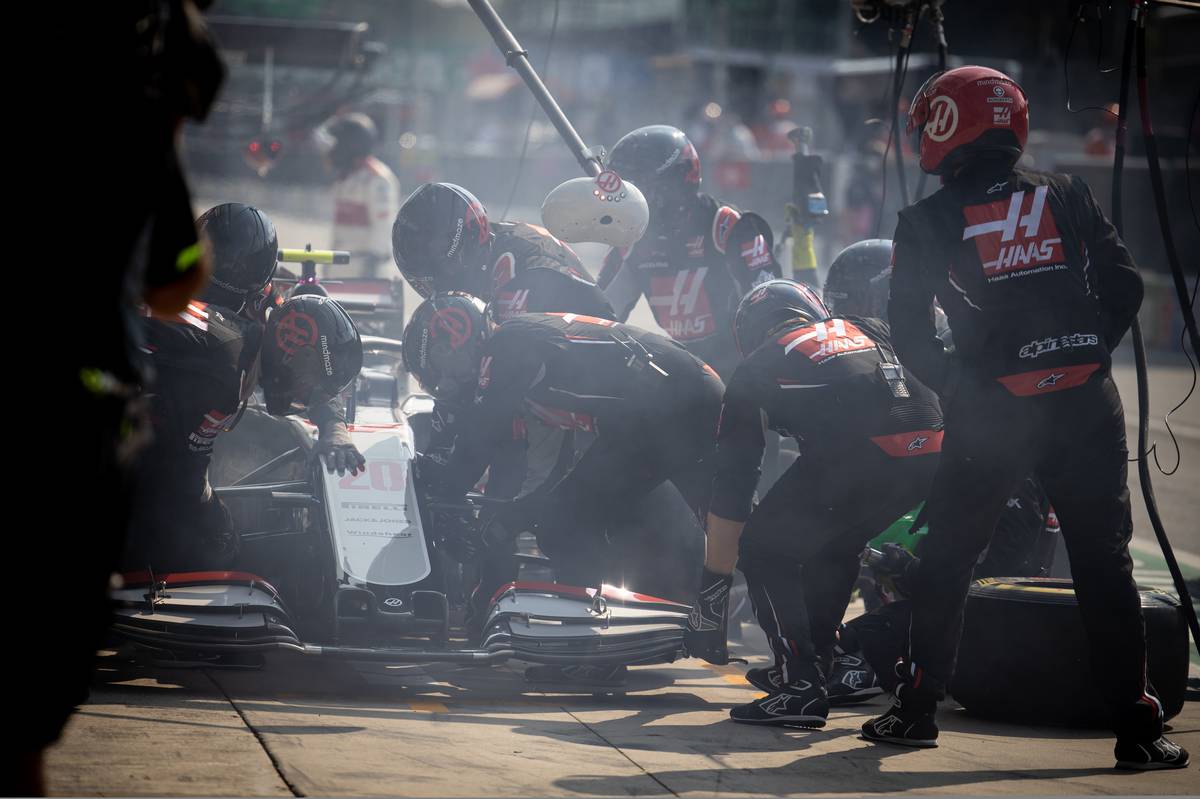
x,y
335,444
708,623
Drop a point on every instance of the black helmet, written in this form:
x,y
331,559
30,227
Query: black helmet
x,y
244,252
310,347
354,137
859,278
442,343
769,305
441,238
661,162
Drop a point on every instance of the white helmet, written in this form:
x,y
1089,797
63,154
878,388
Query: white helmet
x,y
604,209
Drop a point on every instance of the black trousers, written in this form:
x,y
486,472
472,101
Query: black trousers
x,y
800,549
1074,442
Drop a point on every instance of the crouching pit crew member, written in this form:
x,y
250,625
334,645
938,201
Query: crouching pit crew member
x,y
868,436
1038,289
442,240
648,405
208,361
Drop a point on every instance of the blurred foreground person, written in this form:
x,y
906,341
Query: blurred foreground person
x,y
869,437
366,194
442,240
208,360
1038,290
647,406
698,257
151,65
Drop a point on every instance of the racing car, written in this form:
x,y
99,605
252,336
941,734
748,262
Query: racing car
x,y
360,566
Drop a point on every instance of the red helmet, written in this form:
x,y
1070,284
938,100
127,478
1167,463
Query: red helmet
x,y
965,112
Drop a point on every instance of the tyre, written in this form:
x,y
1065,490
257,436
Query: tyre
x,y
1024,653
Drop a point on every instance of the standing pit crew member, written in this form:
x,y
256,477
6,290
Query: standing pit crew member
x,y
649,405
1038,289
868,436
207,362
366,194
698,257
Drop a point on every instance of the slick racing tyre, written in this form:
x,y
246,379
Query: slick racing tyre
x,y
1024,653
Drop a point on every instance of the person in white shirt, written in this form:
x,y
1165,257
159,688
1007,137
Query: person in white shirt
x,y
366,196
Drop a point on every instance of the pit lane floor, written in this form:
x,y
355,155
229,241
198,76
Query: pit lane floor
x,y
308,727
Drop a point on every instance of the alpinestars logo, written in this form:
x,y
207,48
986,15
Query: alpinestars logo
x,y
1051,380
854,679
886,725
918,443
777,705
1017,235
1039,347
680,304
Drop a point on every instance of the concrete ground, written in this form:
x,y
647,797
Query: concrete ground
x,y
308,727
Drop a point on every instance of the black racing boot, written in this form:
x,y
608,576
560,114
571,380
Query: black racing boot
x,y
1160,753
767,679
851,680
910,722
708,623
799,701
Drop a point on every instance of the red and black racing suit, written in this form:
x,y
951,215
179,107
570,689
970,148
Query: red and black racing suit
x,y
693,276
530,271
651,406
868,450
206,364
1038,289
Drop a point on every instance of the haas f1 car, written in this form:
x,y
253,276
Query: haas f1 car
x,y
358,566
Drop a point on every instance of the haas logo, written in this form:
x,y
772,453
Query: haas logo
x,y
295,331
680,304
1014,235
943,118
825,340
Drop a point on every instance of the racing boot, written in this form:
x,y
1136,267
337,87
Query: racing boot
x,y
706,636
851,679
1161,753
799,701
1141,745
768,679
910,722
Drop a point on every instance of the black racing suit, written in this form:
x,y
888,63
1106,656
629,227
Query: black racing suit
x,y
206,365
693,276
868,450
1038,289
651,406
